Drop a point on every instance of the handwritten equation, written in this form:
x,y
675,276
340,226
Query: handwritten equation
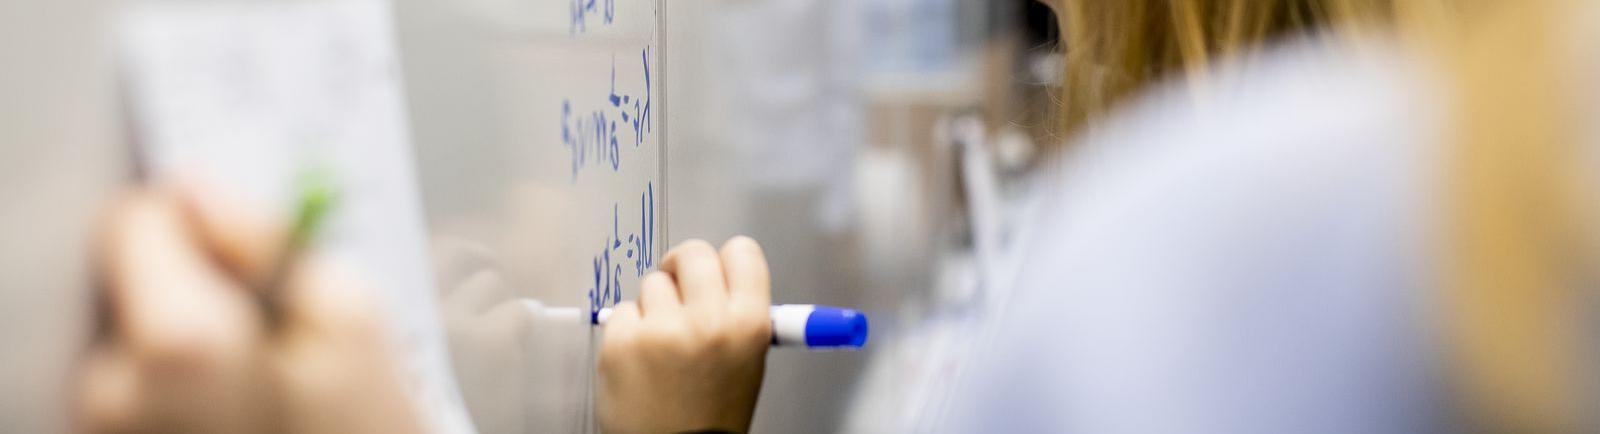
x,y
584,10
590,136
638,247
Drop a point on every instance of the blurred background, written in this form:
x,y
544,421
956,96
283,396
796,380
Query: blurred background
x,y
876,148
872,147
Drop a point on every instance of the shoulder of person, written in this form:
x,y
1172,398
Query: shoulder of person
x,y
1300,121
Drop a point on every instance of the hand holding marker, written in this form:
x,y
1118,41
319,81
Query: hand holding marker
x,y
793,325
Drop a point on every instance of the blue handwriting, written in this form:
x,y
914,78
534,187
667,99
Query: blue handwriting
x,y
590,135
638,246
582,10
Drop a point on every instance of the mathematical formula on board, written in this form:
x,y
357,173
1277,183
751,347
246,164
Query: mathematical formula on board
x,y
589,128
606,134
636,249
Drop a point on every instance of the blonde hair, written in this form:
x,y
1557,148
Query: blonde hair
x,y
1513,215
1114,48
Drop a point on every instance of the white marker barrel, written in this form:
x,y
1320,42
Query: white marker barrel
x,y
804,325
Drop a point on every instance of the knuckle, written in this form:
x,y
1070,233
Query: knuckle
x,y
696,246
658,280
741,246
693,251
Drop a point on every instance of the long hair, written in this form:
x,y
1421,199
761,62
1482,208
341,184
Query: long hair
x,y
1516,245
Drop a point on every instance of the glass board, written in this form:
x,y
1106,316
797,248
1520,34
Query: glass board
x,y
538,127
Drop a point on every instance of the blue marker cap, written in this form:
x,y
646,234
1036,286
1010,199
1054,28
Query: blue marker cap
x,y
836,327
810,326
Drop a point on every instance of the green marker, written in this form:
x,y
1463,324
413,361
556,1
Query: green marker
x,y
317,196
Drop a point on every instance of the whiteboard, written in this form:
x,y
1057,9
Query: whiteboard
x,y
538,129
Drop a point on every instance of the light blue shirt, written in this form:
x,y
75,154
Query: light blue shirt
x,y
1255,264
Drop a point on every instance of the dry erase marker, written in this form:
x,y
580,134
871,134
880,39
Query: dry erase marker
x,y
316,199
804,325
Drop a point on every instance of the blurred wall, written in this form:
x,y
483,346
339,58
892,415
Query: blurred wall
x,y
58,162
